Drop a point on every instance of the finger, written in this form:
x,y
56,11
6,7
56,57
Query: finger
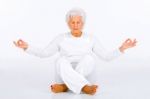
x,y
128,40
135,40
134,43
20,42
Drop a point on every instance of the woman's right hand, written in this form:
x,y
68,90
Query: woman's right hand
x,y
21,44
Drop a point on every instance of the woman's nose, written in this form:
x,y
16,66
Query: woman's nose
x,y
75,25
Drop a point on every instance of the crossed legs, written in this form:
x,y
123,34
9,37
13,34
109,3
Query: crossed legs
x,y
74,79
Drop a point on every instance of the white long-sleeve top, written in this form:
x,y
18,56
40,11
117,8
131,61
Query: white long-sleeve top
x,y
71,46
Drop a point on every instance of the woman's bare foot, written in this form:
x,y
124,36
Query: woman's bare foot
x,y
90,89
56,88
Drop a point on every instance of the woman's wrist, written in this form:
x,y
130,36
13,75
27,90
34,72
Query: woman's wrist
x,y
122,49
25,48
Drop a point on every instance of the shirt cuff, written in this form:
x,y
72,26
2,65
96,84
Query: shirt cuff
x,y
119,52
30,49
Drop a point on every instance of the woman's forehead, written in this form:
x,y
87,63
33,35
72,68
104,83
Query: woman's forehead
x,y
76,18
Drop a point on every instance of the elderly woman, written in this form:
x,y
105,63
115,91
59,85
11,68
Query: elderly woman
x,y
76,61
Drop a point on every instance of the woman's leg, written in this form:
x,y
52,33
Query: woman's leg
x,y
59,85
74,80
85,67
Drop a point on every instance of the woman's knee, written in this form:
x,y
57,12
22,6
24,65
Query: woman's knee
x,y
62,62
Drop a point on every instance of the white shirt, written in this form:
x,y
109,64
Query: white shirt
x,y
71,46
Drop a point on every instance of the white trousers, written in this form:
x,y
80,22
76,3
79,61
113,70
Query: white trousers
x,y
73,71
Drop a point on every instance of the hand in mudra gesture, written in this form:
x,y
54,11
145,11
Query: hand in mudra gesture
x,y
21,44
128,44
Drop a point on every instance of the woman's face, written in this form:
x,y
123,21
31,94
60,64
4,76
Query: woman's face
x,y
75,24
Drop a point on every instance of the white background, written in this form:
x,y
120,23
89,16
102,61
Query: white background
x,y
39,21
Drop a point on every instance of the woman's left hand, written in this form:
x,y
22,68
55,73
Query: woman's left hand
x,y
128,44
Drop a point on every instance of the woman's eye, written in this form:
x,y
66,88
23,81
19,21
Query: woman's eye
x,y
78,22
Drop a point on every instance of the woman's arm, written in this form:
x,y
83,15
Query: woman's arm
x,y
99,50
51,49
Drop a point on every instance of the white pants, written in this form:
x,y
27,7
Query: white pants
x,y
73,71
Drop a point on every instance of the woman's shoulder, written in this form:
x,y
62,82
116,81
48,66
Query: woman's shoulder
x,y
61,35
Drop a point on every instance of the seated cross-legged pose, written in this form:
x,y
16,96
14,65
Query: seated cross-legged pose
x,y
76,61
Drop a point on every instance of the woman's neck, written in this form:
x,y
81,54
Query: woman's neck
x,y
76,34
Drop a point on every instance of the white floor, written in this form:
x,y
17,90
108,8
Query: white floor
x,y
26,79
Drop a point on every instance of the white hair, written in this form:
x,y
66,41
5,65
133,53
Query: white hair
x,y
76,12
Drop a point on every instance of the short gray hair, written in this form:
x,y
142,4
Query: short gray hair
x,y
76,12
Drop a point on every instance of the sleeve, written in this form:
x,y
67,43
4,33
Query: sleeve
x,y
51,49
101,52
